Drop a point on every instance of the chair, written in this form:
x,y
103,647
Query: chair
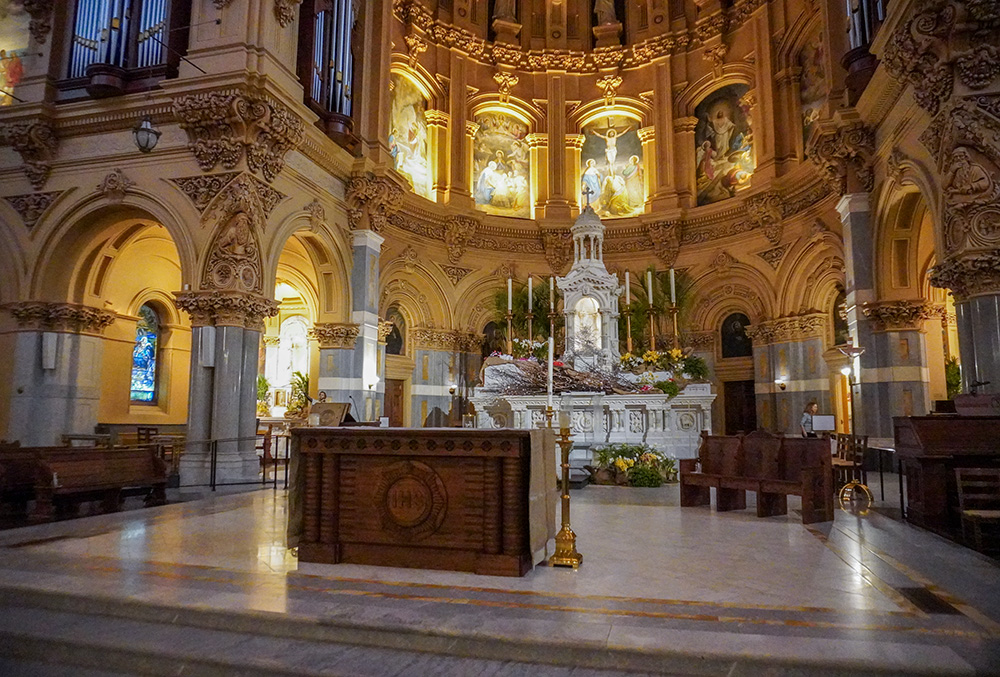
x,y
849,463
144,435
979,503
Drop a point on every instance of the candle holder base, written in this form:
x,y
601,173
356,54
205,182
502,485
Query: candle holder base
x,y
566,554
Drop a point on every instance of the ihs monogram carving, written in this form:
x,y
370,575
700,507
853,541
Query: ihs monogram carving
x,y
41,18
666,240
722,263
32,206
457,232
775,255
371,201
36,143
767,211
505,82
68,317
455,273
415,46
899,315
225,127
506,270
609,84
284,11
558,245
943,40
844,157
335,335
115,185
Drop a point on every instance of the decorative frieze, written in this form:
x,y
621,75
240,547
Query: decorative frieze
x,y
36,143
766,210
31,206
226,308
228,126
338,335
428,338
699,341
899,315
202,188
788,329
844,157
458,230
62,317
115,185
969,274
371,201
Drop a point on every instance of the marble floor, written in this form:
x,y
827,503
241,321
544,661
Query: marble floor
x,y
661,589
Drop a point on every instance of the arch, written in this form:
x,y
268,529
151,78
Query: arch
x,y
590,112
796,37
812,271
904,238
478,302
422,79
741,289
732,74
162,302
419,294
520,109
13,252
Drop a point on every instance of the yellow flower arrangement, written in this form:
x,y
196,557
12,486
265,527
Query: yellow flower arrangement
x,y
676,354
651,357
623,464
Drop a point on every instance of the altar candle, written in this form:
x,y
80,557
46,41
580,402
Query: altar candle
x,y
510,295
628,290
530,304
649,286
552,294
673,289
551,360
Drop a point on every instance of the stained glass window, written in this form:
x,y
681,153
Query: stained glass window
x,y
147,334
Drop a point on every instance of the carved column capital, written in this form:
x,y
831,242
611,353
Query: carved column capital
x,y
969,274
226,308
788,329
899,315
335,334
384,329
61,317
371,201
844,157
428,338
36,142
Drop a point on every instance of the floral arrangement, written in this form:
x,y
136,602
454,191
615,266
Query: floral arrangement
x,y
636,465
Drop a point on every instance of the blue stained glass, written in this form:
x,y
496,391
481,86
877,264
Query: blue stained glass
x,y
144,356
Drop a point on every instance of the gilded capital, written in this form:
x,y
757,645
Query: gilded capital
x,y
226,308
335,334
61,317
900,315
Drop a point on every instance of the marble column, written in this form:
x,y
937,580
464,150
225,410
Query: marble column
x,y
337,378
56,354
364,313
437,368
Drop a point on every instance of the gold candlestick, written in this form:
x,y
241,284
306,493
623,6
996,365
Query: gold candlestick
x,y
565,554
677,338
510,333
628,328
548,416
652,333
531,335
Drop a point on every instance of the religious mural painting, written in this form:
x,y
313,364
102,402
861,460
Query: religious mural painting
x,y
501,172
14,20
611,168
812,86
408,134
723,137
735,342
143,386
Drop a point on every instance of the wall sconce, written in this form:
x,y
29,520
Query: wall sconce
x,y
371,386
146,135
452,388
781,384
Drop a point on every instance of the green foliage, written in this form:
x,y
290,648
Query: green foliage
x,y
695,367
644,476
519,319
953,377
668,387
298,399
263,385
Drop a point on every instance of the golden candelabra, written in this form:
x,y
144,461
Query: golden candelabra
x,y
530,317
510,333
548,417
652,332
628,328
565,554
677,337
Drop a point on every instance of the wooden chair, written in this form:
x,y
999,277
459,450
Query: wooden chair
x,y
849,463
979,503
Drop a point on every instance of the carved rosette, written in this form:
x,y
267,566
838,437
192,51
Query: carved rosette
x,y
457,232
284,11
36,143
971,274
788,329
335,334
899,315
844,157
227,126
666,239
944,43
32,205
384,329
61,317
226,308
115,185
41,18
766,210
371,201
558,243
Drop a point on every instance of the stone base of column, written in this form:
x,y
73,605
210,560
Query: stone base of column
x,y
506,31
608,35
238,467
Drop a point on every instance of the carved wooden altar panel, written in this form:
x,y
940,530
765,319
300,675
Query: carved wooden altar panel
x,y
445,498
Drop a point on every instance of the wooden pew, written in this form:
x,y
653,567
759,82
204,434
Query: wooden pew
x,y
65,480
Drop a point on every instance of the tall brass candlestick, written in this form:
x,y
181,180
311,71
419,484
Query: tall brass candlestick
x,y
552,324
510,333
652,333
530,316
565,554
628,328
677,338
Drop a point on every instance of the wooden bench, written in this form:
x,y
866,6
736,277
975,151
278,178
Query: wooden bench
x,y
979,505
772,467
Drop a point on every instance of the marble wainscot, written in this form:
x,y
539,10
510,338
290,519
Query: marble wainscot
x,y
671,425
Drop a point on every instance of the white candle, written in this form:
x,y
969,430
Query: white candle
x,y
628,290
649,286
530,304
552,294
551,360
673,289
510,295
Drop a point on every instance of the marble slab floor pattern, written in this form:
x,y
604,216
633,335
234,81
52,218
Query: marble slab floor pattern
x,y
655,577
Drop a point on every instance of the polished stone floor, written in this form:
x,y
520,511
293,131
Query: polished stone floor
x,y
699,591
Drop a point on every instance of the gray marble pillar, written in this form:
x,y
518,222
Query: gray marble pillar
x,y
194,462
364,313
979,340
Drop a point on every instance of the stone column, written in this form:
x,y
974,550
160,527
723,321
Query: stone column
x,y
364,313
439,143
557,205
56,357
436,353
222,400
662,191
460,153
538,152
574,149
683,167
337,377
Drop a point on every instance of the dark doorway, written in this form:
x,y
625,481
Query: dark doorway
x,y
741,406
394,402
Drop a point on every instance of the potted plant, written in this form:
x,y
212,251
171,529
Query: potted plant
x,y
263,388
298,399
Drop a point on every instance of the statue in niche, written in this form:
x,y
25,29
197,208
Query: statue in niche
x,y
588,324
505,10
605,11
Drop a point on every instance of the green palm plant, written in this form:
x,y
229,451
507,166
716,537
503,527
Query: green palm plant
x,y
519,305
662,324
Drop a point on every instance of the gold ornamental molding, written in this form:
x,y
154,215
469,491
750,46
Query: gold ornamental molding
x,y
788,329
36,142
428,338
270,340
229,126
495,54
384,329
32,206
336,334
900,315
61,317
371,201
970,274
226,308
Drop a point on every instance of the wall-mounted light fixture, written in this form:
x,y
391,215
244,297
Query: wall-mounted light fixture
x,y
146,135
781,384
452,388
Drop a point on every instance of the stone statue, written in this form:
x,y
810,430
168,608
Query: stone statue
x,y
505,10
605,11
